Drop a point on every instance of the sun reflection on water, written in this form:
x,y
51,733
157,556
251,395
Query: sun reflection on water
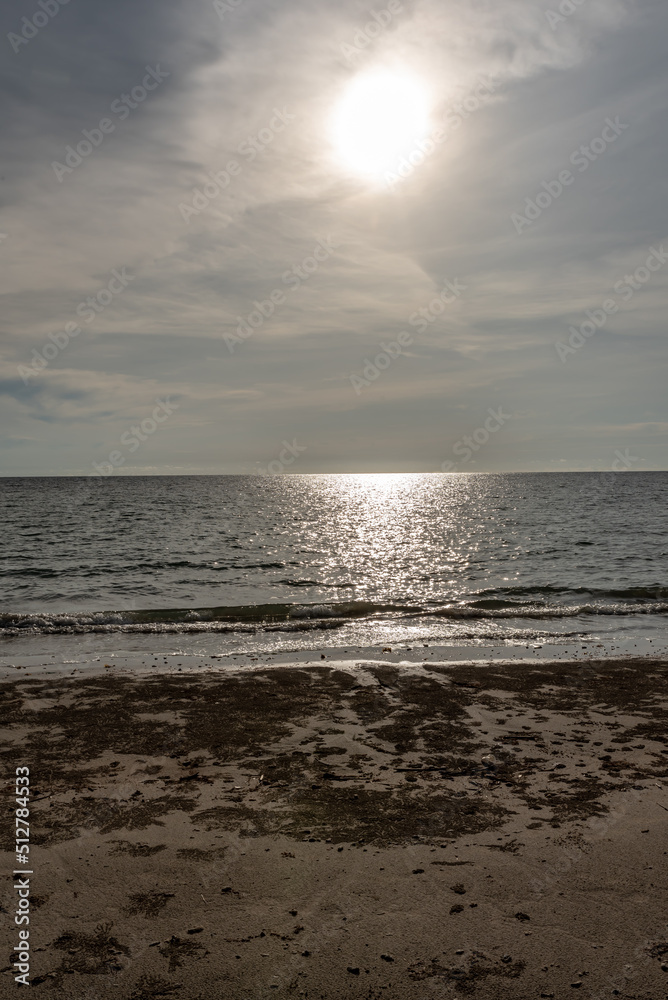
x,y
381,542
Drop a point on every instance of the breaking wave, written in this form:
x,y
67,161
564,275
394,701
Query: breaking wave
x,y
481,607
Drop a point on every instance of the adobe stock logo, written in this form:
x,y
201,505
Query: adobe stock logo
x,y
626,288
94,137
32,26
420,319
553,189
457,113
372,369
566,9
87,310
228,7
135,436
469,444
293,279
250,147
380,19
291,451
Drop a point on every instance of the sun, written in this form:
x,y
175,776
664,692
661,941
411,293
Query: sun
x,y
380,120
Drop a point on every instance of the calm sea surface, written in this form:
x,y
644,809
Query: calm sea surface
x,y
218,563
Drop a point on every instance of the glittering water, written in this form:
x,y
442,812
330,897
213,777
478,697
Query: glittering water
x,y
216,563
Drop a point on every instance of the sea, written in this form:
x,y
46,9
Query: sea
x,y
211,566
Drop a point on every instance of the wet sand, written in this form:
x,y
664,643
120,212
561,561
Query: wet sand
x,y
358,830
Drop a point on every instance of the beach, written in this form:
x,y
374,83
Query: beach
x,y
348,828
333,592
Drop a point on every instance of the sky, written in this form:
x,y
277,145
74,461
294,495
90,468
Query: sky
x,y
288,236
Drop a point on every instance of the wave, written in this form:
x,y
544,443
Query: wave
x,y
652,592
124,568
335,614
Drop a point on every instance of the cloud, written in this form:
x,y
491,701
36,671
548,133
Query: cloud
x,y
257,87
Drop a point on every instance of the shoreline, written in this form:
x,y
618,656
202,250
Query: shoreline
x,y
495,828
146,661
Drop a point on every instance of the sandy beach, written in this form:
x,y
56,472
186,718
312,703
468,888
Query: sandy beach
x,y
333,493
349,830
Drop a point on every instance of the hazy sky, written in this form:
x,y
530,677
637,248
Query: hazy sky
x,y
128,217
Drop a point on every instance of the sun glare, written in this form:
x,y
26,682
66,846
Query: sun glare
x,y
380,120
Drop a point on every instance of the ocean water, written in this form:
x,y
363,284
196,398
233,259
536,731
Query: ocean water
x,y
215,564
